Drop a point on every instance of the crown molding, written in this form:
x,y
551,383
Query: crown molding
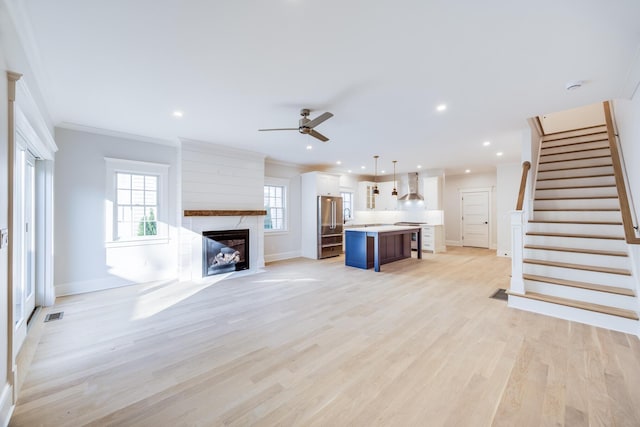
x,y
116,134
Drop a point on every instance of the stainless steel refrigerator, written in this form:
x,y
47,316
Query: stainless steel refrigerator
x,y
330,220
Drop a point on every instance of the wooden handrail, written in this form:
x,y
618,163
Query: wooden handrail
x,y
625,210
523,183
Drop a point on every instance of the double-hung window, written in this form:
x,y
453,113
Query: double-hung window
x,y
136,201
347,205
275,203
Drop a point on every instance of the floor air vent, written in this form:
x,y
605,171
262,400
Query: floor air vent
x,y
500,294
54,316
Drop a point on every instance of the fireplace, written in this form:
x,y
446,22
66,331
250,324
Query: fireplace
x,y
224,251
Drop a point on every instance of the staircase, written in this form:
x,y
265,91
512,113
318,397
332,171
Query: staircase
x,y
575,261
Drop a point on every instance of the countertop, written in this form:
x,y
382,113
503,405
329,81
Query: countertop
x,y
383,228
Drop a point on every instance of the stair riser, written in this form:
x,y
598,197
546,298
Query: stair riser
x,y
605,279
605,161
575,173
591,229
571,148
574,155
541,193
576,182
564,204
571,242
585,295
597,216
579,258
577,315
576,135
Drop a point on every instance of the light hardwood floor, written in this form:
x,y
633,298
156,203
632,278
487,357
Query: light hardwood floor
x,y
315,343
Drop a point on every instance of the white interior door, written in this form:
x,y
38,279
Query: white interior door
x,y
24,274
475,219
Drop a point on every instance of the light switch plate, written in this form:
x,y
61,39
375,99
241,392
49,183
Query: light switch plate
x,y
4,238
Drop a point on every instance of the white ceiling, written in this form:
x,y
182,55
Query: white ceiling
x,y
380,66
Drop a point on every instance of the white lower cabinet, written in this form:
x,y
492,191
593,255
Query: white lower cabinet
x,y
433,238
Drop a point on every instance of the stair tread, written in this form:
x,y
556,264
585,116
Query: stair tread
x,y
577,250
577,197
576,187
571,160
594,268
575,133
576,177
614,311
584,236
541,221
583,285
578,210
575,167
579,150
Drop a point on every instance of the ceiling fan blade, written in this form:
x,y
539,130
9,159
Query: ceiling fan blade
x,y
321,118
318,135
262,130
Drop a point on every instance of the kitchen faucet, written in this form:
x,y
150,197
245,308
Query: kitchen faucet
x,y
345,212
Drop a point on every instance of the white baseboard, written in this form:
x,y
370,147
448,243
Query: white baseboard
x,y
453,243
281,256
83,286
6,405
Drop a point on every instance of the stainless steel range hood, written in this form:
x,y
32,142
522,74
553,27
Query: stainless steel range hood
x,y
413,188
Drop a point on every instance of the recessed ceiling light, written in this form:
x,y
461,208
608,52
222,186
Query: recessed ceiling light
x,y
419,166
338,162
486,143
349,171
467,171
382,171
499,153
441,107
362,167
309,147
178,114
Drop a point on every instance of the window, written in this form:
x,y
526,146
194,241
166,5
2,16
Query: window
x,y
347,205
275,203
136,205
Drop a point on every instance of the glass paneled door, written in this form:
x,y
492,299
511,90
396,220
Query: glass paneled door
x,y
24,272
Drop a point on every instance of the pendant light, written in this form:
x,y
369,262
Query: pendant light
x,y
375,177
394,193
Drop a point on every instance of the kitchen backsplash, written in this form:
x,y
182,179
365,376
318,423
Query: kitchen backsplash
x,y
434,217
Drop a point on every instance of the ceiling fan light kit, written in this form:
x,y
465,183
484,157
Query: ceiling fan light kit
x,y
306,126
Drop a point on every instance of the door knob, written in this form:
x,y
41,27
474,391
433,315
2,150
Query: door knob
x,y
486,222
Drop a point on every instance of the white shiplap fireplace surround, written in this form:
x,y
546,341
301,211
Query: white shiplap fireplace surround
x,y
222,189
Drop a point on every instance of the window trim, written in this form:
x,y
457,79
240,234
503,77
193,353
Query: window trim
x,y
161,170
279,182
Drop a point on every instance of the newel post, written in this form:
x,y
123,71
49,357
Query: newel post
x,y
517,251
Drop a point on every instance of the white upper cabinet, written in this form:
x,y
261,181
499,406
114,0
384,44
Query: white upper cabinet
x,y
320,183
365,200
433,192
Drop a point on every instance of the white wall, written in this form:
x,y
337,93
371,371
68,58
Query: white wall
x,y
576,118
220,177
82,262
507,188
627,117
452,215
284,245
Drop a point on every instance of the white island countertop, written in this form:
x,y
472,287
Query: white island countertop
x,y
383,228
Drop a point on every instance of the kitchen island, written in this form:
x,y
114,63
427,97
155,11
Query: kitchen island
x,y
369,247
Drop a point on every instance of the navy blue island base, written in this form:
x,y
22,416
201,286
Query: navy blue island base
x,y
369,247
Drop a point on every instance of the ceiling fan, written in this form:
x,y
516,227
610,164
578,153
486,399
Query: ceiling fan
x,y
306,125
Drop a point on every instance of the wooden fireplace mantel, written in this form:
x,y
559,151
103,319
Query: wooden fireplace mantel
x,y
224,213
